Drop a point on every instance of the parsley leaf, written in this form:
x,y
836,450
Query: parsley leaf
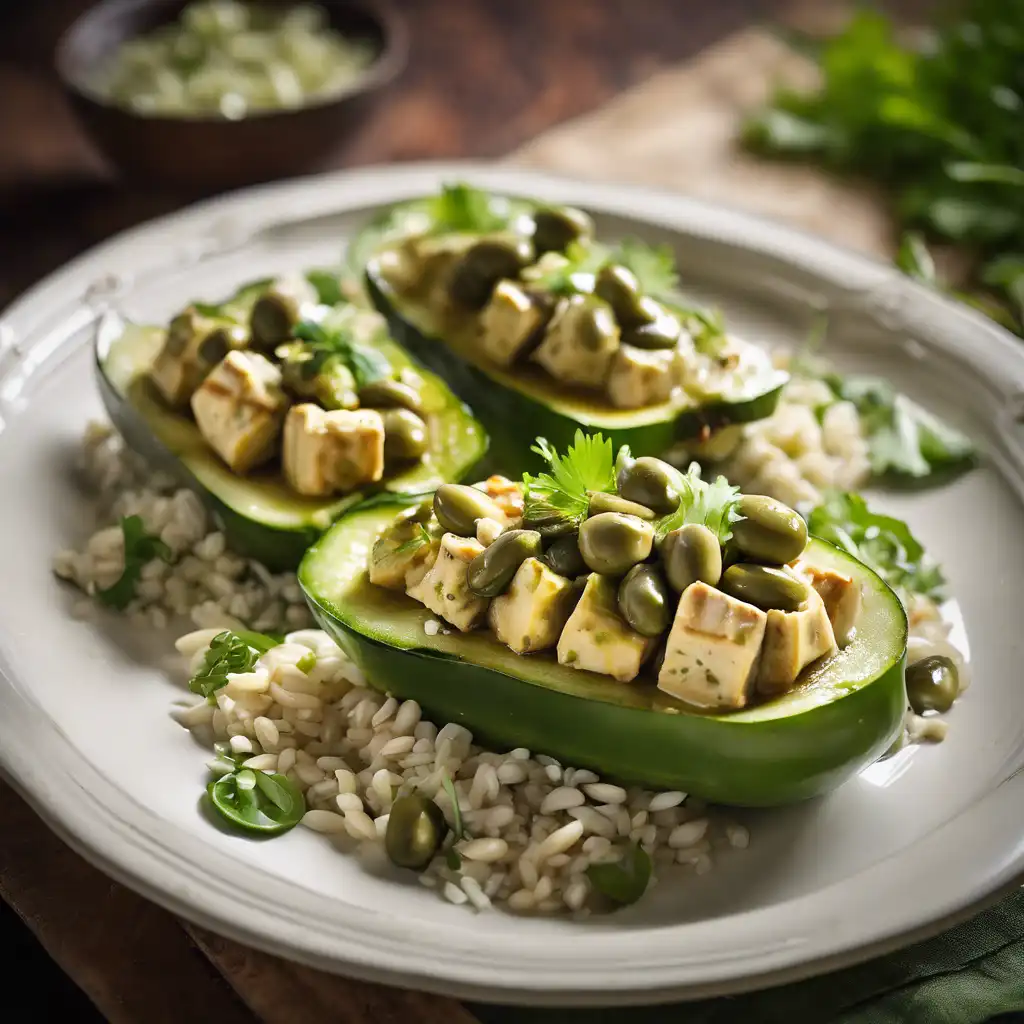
x,y
625,881
903,438
654,266
567,274
229,652
564,494
337,342
883,543
417,540
462,208
139,548
707,504
707,328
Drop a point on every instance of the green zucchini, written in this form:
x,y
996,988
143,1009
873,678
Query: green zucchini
x,y
263,518
523,400
843,715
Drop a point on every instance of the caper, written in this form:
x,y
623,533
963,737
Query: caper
x,y
621,290
458,507
405,434
220,341
612,543
482,266
769,531
556,227
645,601
764,586
390,394
490,573
563,556
550,526
661,331
276,312
602,502
691,554
415,832
651,482
932,684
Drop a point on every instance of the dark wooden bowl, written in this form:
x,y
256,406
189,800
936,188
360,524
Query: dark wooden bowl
x,y
207,153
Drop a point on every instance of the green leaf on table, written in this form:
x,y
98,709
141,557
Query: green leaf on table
x,y
624,881
139,548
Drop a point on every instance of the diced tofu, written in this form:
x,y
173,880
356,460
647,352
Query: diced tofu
x,y
404,552
596,638
505,493
444,588
531,614
712,651
841,596
195,344
510,324
580,342
639,377
328,452
239,409
792,640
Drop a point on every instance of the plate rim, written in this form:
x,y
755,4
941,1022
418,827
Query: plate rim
x,y
110,840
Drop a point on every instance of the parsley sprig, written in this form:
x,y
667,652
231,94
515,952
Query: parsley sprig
x,y
570,273
336,341
139,548
654,266
462,208
564,493
229,653
711,504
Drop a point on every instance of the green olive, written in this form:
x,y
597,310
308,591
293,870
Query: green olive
x,y
650,482
415,832
550,526
276,312
602,502
482,266
621,290
389,394
224,338
612,543
459,506
182,330
405,434
932,684
556,227
764,586
691,554
645,601
564,557
490,573
769,531
661,331
333,387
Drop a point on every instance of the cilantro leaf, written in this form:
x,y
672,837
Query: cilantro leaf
x,y
567,274
229,652
883,543
139,548
564,494
625,881
462,208
707,504
654,266
904,439
337,342
707,328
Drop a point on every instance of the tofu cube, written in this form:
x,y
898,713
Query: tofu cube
x,y
712,651
510,323
596,638
639,377
841,595
330,452
194,345
444,588
531,614
580,342
792,640
239,409
402,551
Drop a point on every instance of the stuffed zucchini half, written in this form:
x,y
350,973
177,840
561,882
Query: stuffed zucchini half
x,y
632,619
547,330
282,411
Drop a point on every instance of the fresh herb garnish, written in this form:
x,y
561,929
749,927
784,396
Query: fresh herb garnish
x,y
307,662
417,540
883,543
461,207
914,259
707,504
139,548
625,881
257,802
229,653
325,343
654,266
903,438
328,286
458,830
707,328
564,494
570,273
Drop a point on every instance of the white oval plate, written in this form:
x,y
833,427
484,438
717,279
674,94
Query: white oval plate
x,y
902,850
